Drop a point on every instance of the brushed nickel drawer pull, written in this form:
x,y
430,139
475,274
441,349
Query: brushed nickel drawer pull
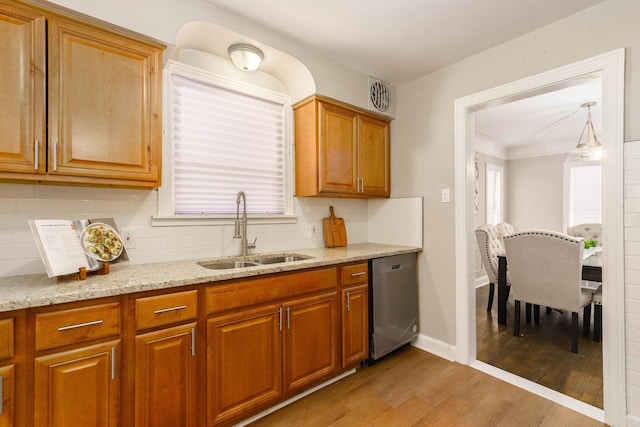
x,y
36,163
288,317
348,301
358,274
193,341
280,318
113,363
80,325
165,310
1,394
55,156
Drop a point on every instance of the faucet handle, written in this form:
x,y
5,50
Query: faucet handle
x,y
252,245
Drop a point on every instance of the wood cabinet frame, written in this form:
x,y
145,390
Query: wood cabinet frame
x,y
282,332
101,86
340,150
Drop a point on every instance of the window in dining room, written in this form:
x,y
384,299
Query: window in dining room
x,y
494,193
583,192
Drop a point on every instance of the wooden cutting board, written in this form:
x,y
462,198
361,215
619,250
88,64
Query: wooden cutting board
x,y
334,231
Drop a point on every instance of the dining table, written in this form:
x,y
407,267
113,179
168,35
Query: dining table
x,y
591,272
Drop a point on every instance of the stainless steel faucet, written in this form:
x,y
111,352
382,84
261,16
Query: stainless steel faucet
x,y
241,224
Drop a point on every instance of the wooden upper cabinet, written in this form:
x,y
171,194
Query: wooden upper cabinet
x,y
338,150
374,157
22,85
104,104
341,151
80,104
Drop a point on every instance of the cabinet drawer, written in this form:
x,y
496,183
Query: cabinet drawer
x,y
166,309
352,274
76,325
6,338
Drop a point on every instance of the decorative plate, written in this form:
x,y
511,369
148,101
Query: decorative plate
x,y
101,242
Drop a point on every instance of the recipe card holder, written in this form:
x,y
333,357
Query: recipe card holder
x,y
103,270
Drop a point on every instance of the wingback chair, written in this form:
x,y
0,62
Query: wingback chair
x,y
587,231
490,247
546,269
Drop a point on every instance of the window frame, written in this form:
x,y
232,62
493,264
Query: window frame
x,y
166,202
567,188
490,167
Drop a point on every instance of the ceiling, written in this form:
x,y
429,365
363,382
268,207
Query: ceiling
x,y
543,123
398,41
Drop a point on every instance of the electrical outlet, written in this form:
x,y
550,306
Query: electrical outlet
x,y
314,230
129,238
446,195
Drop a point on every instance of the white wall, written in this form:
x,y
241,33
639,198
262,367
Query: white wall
x,y
423,136
535,192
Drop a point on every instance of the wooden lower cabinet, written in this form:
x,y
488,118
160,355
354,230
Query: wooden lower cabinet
x,y
79,387
244,362
355,324
7,404
257,356
165,377
310,340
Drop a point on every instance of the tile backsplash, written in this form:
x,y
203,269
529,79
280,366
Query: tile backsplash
x,y
133,209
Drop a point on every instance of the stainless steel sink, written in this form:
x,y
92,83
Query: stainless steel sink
x,y
253,261
226,265
280,258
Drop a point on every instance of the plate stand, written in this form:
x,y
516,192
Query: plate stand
x,y
82,273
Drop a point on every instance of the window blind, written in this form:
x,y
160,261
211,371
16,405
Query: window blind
x,y
224,142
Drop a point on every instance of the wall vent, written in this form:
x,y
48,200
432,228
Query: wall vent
x,y
379,95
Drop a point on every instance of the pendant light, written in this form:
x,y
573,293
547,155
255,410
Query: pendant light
x,y
591,148
245,57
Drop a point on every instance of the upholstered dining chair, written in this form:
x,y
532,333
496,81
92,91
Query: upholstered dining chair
x,y
505,229
546,269
490,247
587,231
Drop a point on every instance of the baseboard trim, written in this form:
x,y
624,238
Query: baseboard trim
x,y
293,399
482,281
437,347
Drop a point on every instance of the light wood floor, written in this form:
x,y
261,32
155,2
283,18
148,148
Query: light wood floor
x,y
542,352
415,388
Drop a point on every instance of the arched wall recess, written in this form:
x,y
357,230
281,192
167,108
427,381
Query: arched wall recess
x,y
198,37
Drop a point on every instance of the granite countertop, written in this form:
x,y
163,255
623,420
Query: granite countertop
x,y
36,290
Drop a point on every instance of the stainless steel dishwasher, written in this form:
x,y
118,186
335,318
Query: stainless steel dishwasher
x,y
393,303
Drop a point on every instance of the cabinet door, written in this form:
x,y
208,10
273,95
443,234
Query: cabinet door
x,y
355,324
338,145
104,97
166,377
374,157
22,85
79,387
309,340
244,362
7,399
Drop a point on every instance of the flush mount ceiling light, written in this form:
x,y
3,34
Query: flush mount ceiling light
x,y
591,148
245,57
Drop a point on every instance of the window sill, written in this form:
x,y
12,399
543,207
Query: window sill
x,y
218,220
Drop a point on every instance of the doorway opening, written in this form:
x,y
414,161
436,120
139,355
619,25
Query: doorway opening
x,y
611,65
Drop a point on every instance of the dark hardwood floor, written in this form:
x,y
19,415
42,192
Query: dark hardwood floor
x,y
542,352
415,388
